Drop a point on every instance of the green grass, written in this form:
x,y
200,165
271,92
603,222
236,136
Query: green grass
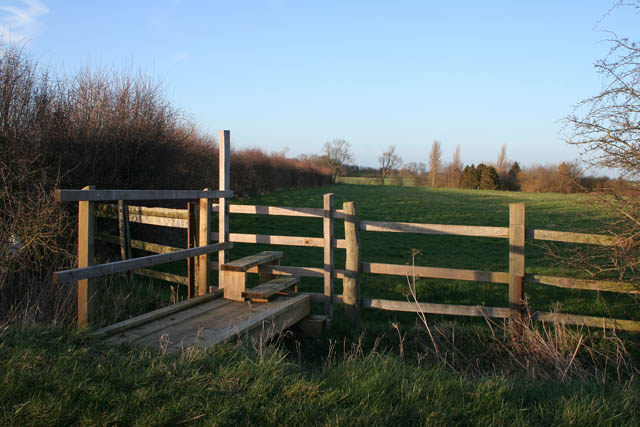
x,y
59,377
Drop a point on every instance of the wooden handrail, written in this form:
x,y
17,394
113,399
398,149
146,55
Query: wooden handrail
x,y
132,264
113,195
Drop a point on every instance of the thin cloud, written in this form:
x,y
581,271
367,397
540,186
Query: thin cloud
x,y
19,21
180,56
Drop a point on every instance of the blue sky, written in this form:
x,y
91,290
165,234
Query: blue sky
x,y
294,74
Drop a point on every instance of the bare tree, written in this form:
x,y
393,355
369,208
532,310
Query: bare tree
x,y
455,169
389,161
606,128
501,164
435,162
338,154
416,168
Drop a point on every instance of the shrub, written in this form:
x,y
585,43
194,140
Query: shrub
x,y
105,128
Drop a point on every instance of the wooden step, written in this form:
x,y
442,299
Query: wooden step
x,y
243,264
262,292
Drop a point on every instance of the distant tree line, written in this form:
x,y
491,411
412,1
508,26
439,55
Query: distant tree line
x,y
506,175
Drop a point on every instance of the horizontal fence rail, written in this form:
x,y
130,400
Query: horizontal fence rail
x,y
139,244
176,218
287,270
483,311
269,239
113,195
592,321
452,230
279,211
434,272
563,236
592,285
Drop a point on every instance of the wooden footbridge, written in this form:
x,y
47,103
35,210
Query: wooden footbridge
x,y
256,314
209,316
216,314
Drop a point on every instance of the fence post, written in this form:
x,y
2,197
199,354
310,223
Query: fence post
x,y
516,262
192,242
125,236
86,258
224,182
351,281
329,249
203,240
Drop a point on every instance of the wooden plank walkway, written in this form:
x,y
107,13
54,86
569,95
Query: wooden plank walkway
x,y
211,322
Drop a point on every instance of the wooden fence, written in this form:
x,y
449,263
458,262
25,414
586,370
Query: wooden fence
x,y
515,232
196,253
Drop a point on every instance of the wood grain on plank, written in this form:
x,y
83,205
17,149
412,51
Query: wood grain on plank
x,y
267,289
139,244
564,236
435,272
449,309
243,264
594,285
598,322
154,315
278,211
453,230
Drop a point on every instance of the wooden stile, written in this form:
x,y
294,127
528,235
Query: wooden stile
x,y
235,272
351,281
245,263
86,258
516,261
329,251
224,184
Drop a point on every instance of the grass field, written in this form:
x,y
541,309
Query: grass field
x,y
387,374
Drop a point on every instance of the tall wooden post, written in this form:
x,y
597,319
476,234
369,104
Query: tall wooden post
x,y
203,240
192,242
351,282
125,234
516,262
86,258
329,249
223,212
